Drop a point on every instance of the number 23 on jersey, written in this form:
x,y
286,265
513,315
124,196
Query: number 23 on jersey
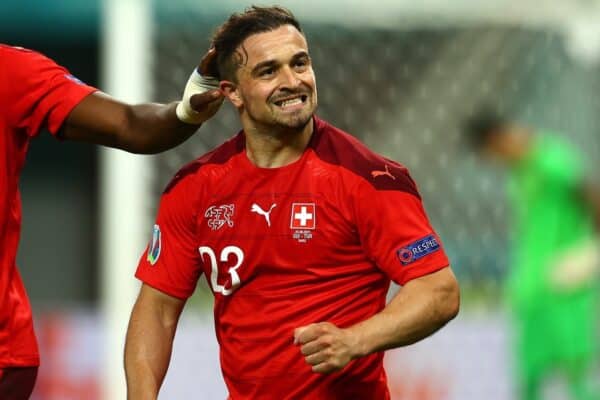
x,y
226,252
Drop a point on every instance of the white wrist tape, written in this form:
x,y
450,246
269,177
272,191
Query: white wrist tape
x,y
196,84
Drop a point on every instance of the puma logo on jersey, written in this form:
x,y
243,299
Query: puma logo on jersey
x,y
387,172
267,214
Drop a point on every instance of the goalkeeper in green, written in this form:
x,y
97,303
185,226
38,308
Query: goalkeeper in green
x,y
552,286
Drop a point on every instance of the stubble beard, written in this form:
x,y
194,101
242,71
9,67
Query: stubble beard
x,y
296,121
292,122
277,123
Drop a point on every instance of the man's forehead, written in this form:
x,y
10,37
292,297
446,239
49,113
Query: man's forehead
x,y
284,41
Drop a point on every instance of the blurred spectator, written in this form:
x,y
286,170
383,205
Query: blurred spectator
x,y
553,279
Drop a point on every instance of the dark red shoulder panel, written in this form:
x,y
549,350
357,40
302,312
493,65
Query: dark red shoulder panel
x,y
337,147
220,155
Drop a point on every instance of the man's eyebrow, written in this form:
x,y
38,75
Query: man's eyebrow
x,y
273,63
260,65
300,54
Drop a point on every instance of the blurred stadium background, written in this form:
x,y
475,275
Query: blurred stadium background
x,y
400,75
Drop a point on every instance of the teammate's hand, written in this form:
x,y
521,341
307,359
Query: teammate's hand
x,y
202,97
208,64
207,104
325,347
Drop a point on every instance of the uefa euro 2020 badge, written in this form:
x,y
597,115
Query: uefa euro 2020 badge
x,y
154,247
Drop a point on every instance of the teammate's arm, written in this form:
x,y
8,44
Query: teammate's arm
x,y
142,128
420,308
150,341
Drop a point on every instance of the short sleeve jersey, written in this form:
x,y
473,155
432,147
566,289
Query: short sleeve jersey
x,y
35,93
316,240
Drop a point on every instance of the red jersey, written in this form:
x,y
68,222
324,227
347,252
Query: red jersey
x,y
317,240
35,93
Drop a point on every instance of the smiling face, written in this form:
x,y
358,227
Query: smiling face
x,y
275,88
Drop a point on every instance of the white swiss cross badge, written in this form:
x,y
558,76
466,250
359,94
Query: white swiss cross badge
x,y
303,221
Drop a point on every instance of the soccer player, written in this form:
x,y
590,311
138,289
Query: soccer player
x,y
552,286
298,228
36,94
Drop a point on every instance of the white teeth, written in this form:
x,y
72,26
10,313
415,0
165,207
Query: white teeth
x,y
291,102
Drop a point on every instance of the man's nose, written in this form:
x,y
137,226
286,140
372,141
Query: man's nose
x,y
289,78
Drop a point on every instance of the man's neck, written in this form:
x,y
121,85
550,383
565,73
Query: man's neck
x,y
274,150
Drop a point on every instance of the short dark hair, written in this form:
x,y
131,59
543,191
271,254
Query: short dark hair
x,y
482,124
240,26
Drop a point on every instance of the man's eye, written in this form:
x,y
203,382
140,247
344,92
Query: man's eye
x,y
266,72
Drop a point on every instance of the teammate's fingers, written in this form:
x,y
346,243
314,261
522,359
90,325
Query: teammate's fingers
x,y
207,65
202,109
200,100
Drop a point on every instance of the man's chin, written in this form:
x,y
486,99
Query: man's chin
x,y
294,122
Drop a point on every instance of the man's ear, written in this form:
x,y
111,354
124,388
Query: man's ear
x,y
230,90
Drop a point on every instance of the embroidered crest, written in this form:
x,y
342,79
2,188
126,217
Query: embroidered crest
x,y
218,216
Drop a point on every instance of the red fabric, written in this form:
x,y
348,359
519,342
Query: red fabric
x,y
35,93
270,276
17,383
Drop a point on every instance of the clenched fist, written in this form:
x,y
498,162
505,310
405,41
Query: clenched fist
x,y
326,347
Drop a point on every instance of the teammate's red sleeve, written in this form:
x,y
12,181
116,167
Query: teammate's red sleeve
x,y
41,93
396,232
171,262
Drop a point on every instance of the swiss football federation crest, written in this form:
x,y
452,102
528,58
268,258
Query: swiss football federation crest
x,y
218,216
418,249
303,221
154,247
